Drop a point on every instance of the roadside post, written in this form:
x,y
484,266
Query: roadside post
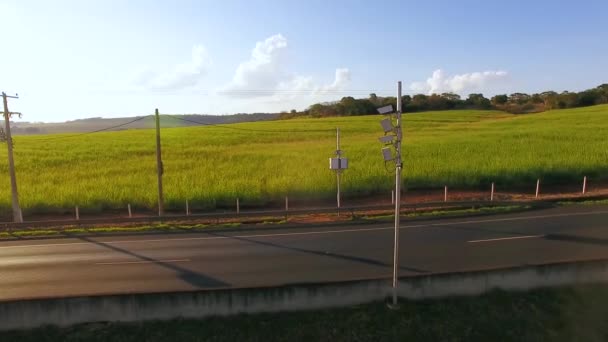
x,y
393,141
338,164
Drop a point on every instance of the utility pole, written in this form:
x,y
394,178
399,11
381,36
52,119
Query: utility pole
x,y
17,215
338,152
399,166
159,168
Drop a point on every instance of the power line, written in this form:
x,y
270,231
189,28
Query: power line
x,y
95,131
248,129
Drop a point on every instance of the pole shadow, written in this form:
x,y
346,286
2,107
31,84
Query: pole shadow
x,y
195,279
324,254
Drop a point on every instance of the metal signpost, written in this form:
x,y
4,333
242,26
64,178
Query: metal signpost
x,y
338,164
393,141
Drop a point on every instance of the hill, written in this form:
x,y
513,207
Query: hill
x,y
263,161
92,124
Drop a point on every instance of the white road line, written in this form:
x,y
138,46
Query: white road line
x,y
468,222
508,238
140,262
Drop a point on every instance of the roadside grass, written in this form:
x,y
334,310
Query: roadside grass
x,y
212,166
558,314
184,228
160,228
586,202
453,212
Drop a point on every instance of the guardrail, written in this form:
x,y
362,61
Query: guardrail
x,y
264,213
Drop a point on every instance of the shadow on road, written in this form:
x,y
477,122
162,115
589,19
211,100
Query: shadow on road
x,y
193,278
324,254
575,238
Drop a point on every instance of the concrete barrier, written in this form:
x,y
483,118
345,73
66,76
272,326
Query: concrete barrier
x,y
20,314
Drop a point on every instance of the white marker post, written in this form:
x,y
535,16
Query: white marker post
x,y
445,193
585,185
77,214
187,208
286,203
537,188
129,210
238,206
393,197
492,193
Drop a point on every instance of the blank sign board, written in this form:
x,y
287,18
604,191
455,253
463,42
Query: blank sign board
x,y
387,125
386,109
338,163
387,153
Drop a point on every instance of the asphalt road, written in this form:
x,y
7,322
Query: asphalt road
x,y
171,262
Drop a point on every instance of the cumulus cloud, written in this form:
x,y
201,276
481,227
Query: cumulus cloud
x,y
264,74
341,80
183,75
439,82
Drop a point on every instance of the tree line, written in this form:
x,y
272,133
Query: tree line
x,y
517,103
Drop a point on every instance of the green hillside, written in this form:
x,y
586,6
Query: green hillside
x,y
212,165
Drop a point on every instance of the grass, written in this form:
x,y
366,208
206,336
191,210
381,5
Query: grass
x,y
560,314
211,166
195,227
161,228
452,212
586,202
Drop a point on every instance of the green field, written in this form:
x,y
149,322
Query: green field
x,y
211,166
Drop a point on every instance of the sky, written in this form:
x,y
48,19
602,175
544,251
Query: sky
x,y
77,59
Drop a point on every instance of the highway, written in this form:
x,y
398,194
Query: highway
x,y
268,257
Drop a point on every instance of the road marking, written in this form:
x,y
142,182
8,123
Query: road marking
x,y
508,238
520,218
141,262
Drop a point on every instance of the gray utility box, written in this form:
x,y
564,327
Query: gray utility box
x,y
338,163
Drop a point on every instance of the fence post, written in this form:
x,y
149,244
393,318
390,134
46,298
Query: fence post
x,y
393,197
129,209
585,185
187,208
445,193
537,188
238,206
492,193
77,214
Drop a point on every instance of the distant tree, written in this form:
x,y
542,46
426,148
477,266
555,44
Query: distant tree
x,y
373,98
567,100
478,101
549,99
451,97
588,98
498,100
536,98
602,93
419,102
519,98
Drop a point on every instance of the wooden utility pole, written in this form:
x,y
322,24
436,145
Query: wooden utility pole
x,y
17,215
159,168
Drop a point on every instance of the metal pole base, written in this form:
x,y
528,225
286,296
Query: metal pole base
x,y
392,306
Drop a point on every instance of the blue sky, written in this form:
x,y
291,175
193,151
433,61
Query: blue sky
x,y
77,59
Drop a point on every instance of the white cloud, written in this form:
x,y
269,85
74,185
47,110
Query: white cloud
x,y
440,83
181,76
264,74
341,80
